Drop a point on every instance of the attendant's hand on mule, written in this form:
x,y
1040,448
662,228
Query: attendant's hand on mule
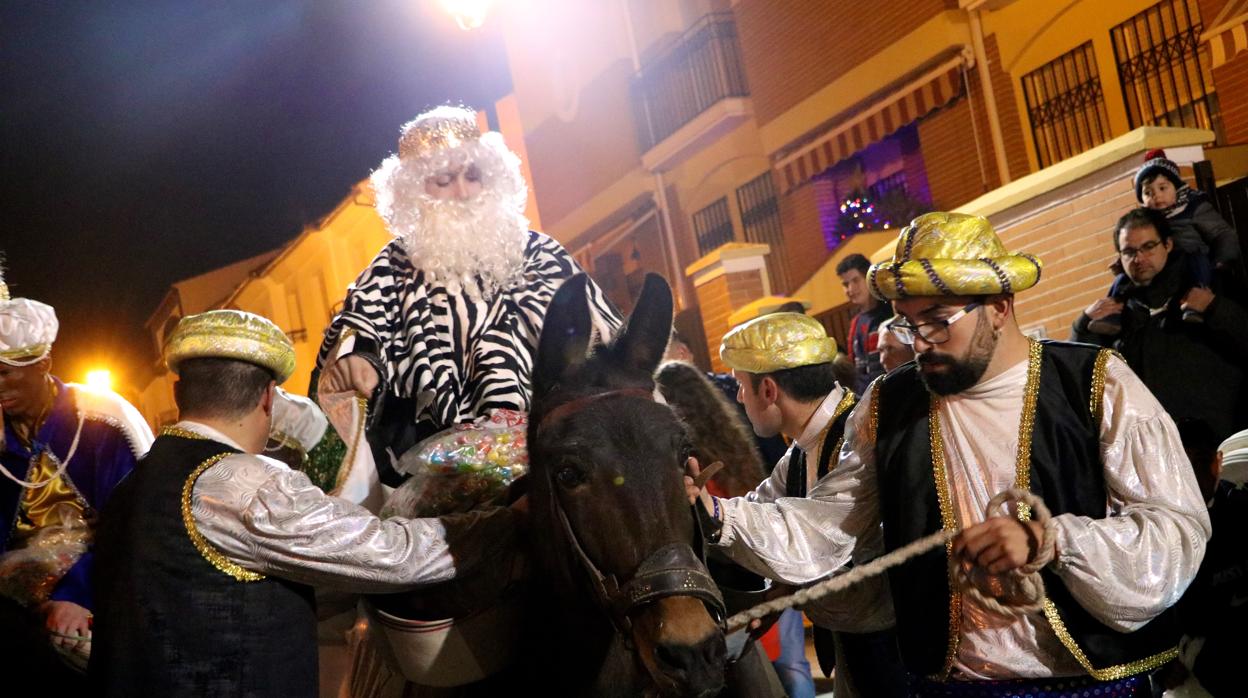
x,y
67,620
1000,544
692,490
351,372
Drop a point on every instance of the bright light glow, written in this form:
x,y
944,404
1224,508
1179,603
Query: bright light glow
x,y
100,379
468,14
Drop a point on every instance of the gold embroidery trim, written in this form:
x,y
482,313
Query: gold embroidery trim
x,y
1022,480
873,422
183,433
847,403
949,523
214,557
1096,398
345,472
1112,673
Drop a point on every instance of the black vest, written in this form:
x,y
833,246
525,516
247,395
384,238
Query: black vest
x,y
1066,472
169,623
795,484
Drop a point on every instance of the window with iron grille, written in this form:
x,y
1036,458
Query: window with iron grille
x,y
713,226
1066,105
1165,79
884,185
760,217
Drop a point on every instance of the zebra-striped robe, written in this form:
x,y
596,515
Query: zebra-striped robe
x,y
444,358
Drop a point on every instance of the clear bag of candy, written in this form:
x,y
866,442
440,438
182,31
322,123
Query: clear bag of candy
x,y
462,468
28,574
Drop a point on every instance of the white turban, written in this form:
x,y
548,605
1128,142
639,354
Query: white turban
x,y
296,418
1235,457
27,330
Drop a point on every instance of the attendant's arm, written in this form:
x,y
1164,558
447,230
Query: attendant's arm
x,y
776,484
273,520
802,540
1127,568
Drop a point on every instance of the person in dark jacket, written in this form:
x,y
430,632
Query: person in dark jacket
x,y
1210,243
1196,370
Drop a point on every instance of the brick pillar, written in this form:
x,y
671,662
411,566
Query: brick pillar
x,y
724,281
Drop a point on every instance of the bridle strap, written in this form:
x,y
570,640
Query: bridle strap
x,y
581,403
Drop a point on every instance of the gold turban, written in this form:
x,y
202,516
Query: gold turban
x,y
775,342
951,254
438,129
231,334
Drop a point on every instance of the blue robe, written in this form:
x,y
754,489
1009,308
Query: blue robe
x,y
112,440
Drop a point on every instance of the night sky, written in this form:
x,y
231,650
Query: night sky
x,y
146,142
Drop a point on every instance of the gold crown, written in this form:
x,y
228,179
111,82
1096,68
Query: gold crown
x,y
951,254
231,334
436,130
775,342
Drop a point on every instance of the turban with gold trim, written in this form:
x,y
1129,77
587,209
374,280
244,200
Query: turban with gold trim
x,y
775,342
951,254
231,334
27,329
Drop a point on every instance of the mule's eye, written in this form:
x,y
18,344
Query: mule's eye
x,y
569,477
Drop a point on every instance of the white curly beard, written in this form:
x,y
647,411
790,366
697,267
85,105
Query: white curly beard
x,y
475,246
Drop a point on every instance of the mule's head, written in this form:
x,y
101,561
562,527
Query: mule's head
x,y
606,469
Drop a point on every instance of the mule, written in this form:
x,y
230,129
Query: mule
x,y
629,600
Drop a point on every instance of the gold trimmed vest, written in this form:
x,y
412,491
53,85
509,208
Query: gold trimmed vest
x,y
1064,469
175,617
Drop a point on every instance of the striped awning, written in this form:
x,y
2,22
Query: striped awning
x,y
881,118
1229,40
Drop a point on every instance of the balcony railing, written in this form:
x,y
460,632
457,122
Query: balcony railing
x,y
702,68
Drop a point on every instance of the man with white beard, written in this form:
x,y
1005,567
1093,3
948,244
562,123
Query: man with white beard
x,y
442,326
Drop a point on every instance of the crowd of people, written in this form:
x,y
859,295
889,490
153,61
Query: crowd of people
x,y
191,562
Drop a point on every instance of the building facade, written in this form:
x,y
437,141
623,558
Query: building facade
x,y
658,132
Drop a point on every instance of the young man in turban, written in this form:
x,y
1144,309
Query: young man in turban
x,y
783,363
63,447
442,327
208,552
984,409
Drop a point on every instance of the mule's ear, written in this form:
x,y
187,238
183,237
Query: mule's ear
x,y
566,332
644,341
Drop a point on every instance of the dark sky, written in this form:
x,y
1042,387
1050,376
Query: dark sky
x,y
146,142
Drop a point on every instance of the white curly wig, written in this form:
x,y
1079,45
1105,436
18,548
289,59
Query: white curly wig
x,y
474,246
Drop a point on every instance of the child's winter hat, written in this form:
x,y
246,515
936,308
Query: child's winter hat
x,y
1156,163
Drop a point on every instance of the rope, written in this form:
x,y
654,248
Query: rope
x,y
1020,591
61,465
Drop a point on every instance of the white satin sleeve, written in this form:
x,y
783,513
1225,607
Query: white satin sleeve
x,y
801,540
273,520
1127,568
776,484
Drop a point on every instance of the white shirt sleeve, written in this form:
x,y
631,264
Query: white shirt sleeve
x,y
776,484
802,540
273,520
1127,568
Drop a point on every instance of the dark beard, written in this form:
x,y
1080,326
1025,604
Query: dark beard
x,y
962,373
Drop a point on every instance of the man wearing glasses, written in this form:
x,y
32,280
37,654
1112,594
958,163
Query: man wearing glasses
x,y
1196,370
985,408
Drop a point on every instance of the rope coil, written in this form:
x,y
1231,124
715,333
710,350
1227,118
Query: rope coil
x,y
1018,592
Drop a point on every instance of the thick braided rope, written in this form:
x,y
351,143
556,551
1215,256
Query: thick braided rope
x,y
1026,596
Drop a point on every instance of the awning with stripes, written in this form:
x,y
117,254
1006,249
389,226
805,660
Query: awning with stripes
x,y
1229,40
881,118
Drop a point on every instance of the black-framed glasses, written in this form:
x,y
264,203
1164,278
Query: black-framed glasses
x,y
1132,253
934,332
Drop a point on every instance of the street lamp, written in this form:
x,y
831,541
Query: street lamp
x,y
100,379
468,14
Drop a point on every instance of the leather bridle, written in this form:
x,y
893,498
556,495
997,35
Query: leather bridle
x,y
676,569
